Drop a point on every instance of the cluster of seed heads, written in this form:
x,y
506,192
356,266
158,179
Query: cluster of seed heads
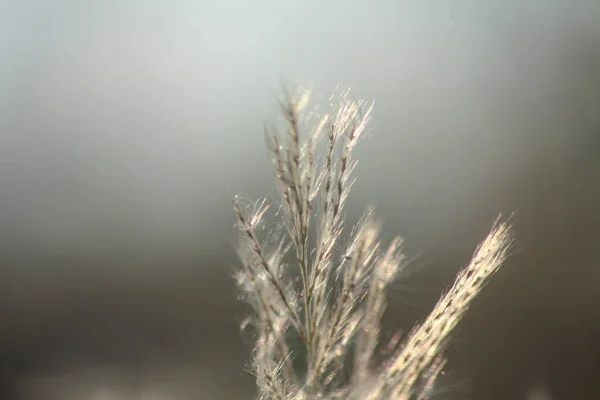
x,y
316,317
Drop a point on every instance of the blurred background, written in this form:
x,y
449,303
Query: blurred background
x,y
127,126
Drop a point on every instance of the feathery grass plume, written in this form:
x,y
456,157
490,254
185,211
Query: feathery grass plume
x,y
315,316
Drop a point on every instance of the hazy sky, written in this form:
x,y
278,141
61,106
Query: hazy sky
x,y
139,119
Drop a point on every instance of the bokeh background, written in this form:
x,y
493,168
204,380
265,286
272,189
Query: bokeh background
x,y
126,127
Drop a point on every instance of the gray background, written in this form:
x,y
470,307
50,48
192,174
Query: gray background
x,y
127,126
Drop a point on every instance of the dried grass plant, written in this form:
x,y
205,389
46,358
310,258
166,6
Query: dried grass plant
x,y
317,301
